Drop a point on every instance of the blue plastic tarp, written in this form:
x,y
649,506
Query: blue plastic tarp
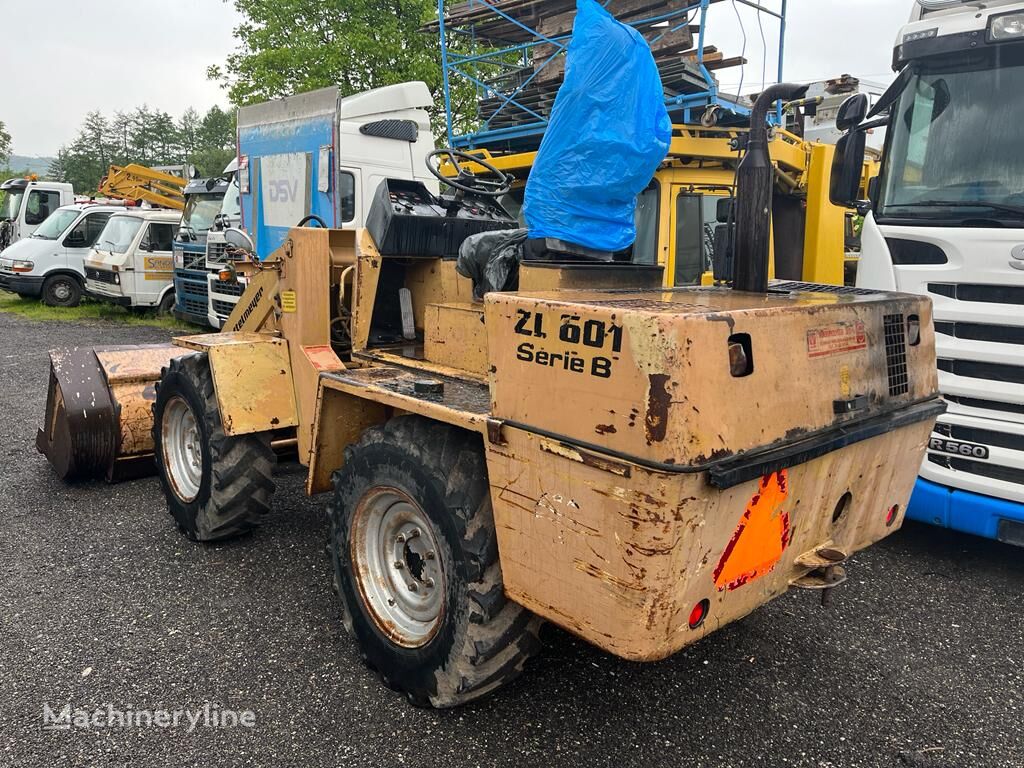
x,y
609,130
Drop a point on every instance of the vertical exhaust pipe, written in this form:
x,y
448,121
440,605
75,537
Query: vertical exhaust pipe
x,y
755,179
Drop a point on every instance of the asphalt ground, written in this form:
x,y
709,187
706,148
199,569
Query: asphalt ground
x,y
920,662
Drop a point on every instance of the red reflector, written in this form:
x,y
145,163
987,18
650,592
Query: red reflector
x,y
891,515
699,613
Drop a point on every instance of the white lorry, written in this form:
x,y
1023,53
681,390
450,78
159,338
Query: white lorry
x,y
50,263
132,263
947,221
26,204
322,155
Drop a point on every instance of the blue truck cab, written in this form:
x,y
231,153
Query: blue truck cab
x,y
203,199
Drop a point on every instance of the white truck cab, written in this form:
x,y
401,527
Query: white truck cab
x,y
27,204
132,263
947,222
50,263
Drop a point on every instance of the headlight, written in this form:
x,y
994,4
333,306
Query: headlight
x,y
22,266
1006,26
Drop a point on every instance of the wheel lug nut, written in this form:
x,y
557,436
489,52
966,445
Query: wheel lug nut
x,y
400,538
429,583
412,586
399,565
429,555
414,533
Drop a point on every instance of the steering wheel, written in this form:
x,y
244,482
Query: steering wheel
x,y
467,181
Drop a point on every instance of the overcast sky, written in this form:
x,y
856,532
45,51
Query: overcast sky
x,y
63,58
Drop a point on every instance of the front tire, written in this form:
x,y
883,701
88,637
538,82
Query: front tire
x,y
416,564
166,305
61,291
216,486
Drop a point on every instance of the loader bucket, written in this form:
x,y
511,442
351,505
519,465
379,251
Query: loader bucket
x,y
99,411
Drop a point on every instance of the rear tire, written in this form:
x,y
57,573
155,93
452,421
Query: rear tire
x,y
61,291
216,486
412,506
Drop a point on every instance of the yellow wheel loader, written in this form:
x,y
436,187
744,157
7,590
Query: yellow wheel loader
x,y
639,465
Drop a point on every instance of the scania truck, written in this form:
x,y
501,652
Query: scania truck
x,y
947,221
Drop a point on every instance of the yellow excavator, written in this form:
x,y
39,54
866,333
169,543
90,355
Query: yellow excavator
x,y
637,464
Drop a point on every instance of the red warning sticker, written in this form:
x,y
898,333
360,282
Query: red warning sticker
x,y
836,339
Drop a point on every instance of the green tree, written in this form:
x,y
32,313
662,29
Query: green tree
x,y
188,132
217,129
58,170
148,137
291,46
89,156
5,144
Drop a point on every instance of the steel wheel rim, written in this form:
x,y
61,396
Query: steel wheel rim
x,y
182,449
61,291
397,566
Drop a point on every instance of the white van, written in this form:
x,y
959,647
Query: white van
x,y
49,264
132,263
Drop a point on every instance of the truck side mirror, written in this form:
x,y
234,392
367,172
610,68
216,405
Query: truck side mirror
x,y
239,240
847,168
852,112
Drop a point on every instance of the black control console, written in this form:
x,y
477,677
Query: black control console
x,y
405,219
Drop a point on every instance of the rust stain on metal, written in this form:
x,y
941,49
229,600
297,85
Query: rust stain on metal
x,y
605,429
659,400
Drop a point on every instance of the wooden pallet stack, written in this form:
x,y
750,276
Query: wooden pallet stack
x,y
535,81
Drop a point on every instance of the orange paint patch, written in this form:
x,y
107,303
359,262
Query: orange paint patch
x,y
760,538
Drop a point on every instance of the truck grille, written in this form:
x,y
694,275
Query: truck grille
x,y
972,369
995,294
228,288
896,354
100,275
1001,334
980,468
989,405
984,436
223,308
216,253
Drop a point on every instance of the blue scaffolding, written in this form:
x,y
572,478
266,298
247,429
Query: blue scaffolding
x,y
495,50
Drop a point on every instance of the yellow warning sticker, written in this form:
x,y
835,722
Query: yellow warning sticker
x,y
288,301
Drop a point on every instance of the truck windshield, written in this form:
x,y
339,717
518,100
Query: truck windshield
x,y
11,204
200,211
117,236
55,224
954,149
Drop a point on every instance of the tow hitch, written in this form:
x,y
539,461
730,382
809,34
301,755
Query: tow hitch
x,y
826,572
